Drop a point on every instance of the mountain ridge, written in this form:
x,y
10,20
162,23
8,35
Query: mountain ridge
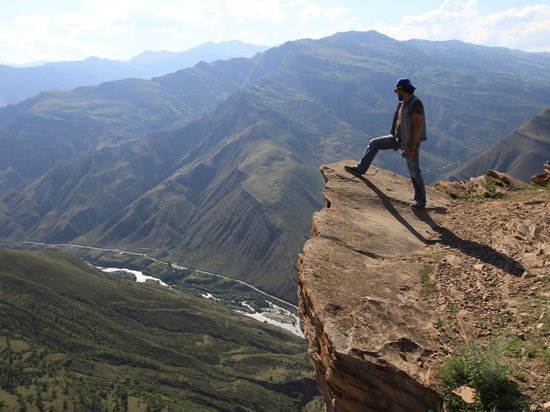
x,y
520,154
248,153
20,83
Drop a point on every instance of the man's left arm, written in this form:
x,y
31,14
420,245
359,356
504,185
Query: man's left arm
x,y
416,131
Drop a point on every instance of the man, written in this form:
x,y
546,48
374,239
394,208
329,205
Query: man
x,y
407,131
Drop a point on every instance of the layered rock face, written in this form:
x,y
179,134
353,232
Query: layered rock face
x,y
370,334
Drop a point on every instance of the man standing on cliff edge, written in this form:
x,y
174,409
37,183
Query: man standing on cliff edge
x,y
407,131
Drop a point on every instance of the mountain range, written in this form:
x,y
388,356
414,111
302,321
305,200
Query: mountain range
x,y
216,166
521,154
20,83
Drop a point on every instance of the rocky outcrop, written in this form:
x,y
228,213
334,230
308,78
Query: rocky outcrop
x,y
371,337
386,292
542,179
492,184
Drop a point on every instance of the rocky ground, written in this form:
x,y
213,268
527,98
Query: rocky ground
x,y
487,275
388,293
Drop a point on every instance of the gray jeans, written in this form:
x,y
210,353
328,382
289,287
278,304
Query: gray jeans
x,y
389,142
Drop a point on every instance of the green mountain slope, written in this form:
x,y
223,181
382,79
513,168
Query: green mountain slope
x,y
352,73
238,206
521,154
54,126
233,191
66,328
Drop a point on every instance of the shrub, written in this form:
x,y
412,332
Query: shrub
x,y
491,191
484,372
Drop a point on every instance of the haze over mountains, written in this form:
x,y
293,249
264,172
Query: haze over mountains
x,y
19,83
218,164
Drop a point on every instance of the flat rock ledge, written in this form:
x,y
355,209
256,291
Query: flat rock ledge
x,y
369,332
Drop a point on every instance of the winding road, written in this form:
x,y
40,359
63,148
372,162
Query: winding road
x,y
157,260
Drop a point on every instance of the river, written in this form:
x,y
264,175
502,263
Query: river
x,y
274,315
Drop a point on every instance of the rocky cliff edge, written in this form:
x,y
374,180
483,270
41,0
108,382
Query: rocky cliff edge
x,y
384,290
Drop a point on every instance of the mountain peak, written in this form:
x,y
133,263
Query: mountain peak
x,y
369,34
386,292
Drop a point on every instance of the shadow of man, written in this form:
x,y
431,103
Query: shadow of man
x,y
472,248
388,204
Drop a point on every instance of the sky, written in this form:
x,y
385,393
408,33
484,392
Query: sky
x,y
59,30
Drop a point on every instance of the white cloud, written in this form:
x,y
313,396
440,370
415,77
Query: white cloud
x,y
314,21
31,22
112,11
183,12
256,10
59,36
351,24
336,12
309,12
527,28
124,28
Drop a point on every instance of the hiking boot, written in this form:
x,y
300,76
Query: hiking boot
x,y
417,205
353,170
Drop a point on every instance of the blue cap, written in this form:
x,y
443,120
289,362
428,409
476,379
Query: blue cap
x,y
406,85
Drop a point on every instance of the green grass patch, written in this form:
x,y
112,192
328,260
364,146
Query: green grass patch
x,y
529,349
536,188
427,287
491,191
454,308
487,374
